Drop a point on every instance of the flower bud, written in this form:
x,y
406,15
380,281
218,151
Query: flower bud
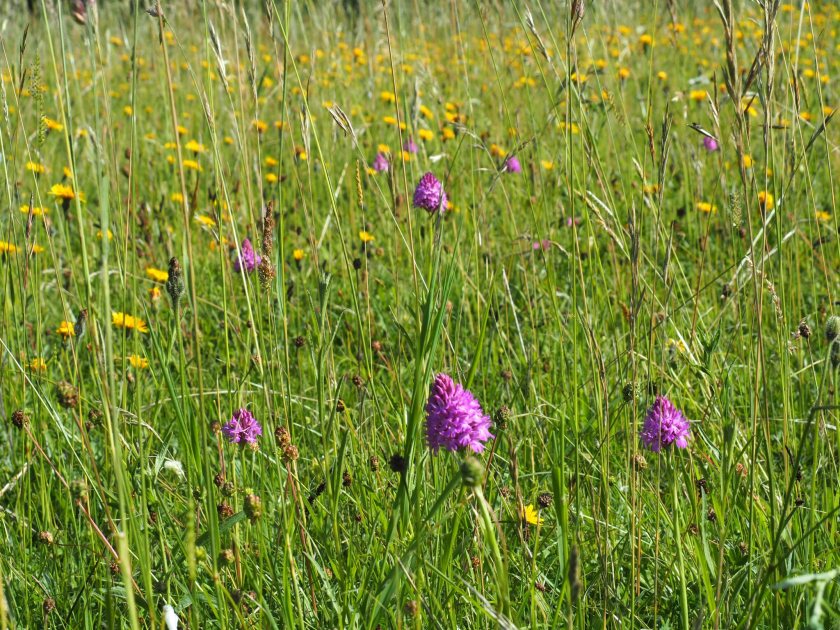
x,y
472,472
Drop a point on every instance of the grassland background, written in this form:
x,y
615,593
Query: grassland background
x,y
624,261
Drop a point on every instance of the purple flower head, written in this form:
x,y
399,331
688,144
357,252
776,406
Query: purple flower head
x,y
248,259
242,427
429,194
454,419
544,244
410,146
664,425
380,163
512,165
710,144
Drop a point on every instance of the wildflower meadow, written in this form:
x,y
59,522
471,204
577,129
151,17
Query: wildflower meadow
x,y
419,314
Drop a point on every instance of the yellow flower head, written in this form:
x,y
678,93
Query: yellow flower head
x,y
122,320
366,237
298,254
66,329
765,201
158,275
38,365
65,192
138,362
530,515
7,248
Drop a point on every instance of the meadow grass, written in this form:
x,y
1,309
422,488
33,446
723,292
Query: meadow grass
x,y
210,207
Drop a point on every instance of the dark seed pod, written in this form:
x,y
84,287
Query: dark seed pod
x,y
175,282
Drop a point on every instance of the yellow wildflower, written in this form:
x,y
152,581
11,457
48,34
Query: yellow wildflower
x,y
138,362
530,515
66,329
122,320
158,275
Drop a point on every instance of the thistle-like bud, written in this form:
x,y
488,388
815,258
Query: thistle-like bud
x,y
81,323
832,328
175,283
472,472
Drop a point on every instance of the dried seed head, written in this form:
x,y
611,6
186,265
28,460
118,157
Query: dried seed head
x,y
224,510
545,500
20,419
48,606
373,462
68,395
45,538
346,479
226,557
291,453
397,463
282,436
501,417
804,329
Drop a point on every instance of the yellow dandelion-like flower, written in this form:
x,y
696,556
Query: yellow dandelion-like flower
x,y
53,125
366,237
260,125
698,95
766,200
7,248
182,131
192,165
38,365
547,164
662,75
205,220
426,134
708,208
36,210
36,167
530,515
65,192
270,161
387,97
176,197
298,255
158,275
389,120
129,322
426,112
138,362
155,293
195,147
823,216
99,235
66,329
271,178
